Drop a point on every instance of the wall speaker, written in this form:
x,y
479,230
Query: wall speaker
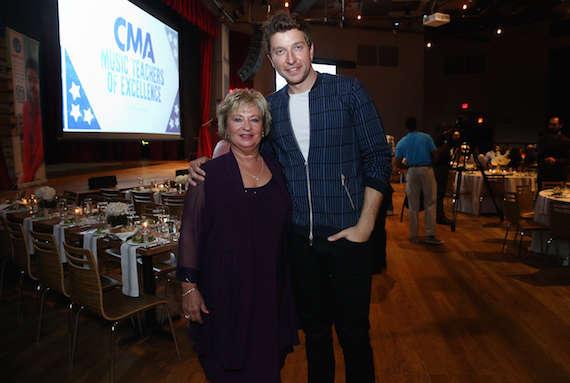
x,y
254,56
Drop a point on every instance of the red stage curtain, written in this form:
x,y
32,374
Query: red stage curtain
x,y
197,13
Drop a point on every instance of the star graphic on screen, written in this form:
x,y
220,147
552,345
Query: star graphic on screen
x,y
88,116
175,43
171,123
75,91
170,37
75,112
176,109
177,122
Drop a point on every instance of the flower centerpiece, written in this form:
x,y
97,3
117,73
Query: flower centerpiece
x,y
117,213
46,197
181,181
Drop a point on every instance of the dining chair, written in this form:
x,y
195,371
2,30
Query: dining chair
x,y
526,199
171,279
86,292
174,202
22,258
559,226
552,184
70,197
496,185
147,209
6,253
111,194
142,196
51,272
522,226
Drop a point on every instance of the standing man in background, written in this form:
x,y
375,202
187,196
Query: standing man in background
x,y
554,153
420,152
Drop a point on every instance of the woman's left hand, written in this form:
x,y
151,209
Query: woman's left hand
x,y
193,306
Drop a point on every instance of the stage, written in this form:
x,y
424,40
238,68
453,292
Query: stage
x,y
74,176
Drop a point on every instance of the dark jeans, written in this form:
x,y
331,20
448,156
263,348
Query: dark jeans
x,y
441,174
332,283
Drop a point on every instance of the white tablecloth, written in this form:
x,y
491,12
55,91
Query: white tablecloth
x,y
542,215
472,184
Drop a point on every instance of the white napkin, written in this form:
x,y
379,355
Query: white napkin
x,y
59,234
90,242
129,269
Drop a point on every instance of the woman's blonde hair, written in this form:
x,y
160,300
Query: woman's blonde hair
x,y
237,100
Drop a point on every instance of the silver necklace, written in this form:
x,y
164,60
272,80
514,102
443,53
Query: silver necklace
x,y
249,174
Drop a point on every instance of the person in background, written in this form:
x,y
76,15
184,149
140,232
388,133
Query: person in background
x,y
33,144
530,155
491,154
480,158
420,152
554,153
337,181
515,158
231,262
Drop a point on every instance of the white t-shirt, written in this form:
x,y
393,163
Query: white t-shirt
x,y
300,120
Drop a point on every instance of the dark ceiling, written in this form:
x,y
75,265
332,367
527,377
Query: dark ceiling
x,y
479,15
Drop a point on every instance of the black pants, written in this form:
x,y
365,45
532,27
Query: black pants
x,y
441,174
332,283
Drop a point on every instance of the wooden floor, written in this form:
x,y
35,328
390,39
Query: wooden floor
x,y
461,312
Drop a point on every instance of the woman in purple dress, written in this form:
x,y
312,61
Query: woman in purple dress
x,y
232,262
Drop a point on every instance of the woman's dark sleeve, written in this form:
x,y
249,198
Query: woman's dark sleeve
x,y
189,249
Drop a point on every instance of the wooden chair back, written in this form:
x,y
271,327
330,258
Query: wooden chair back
x,y
49,267
523,189
71,197
84,281
111,194
512,210
552,184
142,196
22,258
6,252
175,203
172,199
560,220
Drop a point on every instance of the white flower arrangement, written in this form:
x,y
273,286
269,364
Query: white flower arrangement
x,y
46,193
182,179
499,160
117,209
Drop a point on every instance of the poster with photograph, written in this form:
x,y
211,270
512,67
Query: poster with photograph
x,y
27,136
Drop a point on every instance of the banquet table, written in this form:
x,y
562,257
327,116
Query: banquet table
x,y
542,215
472,184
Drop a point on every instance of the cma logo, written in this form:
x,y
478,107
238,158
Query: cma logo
x,y
134,40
